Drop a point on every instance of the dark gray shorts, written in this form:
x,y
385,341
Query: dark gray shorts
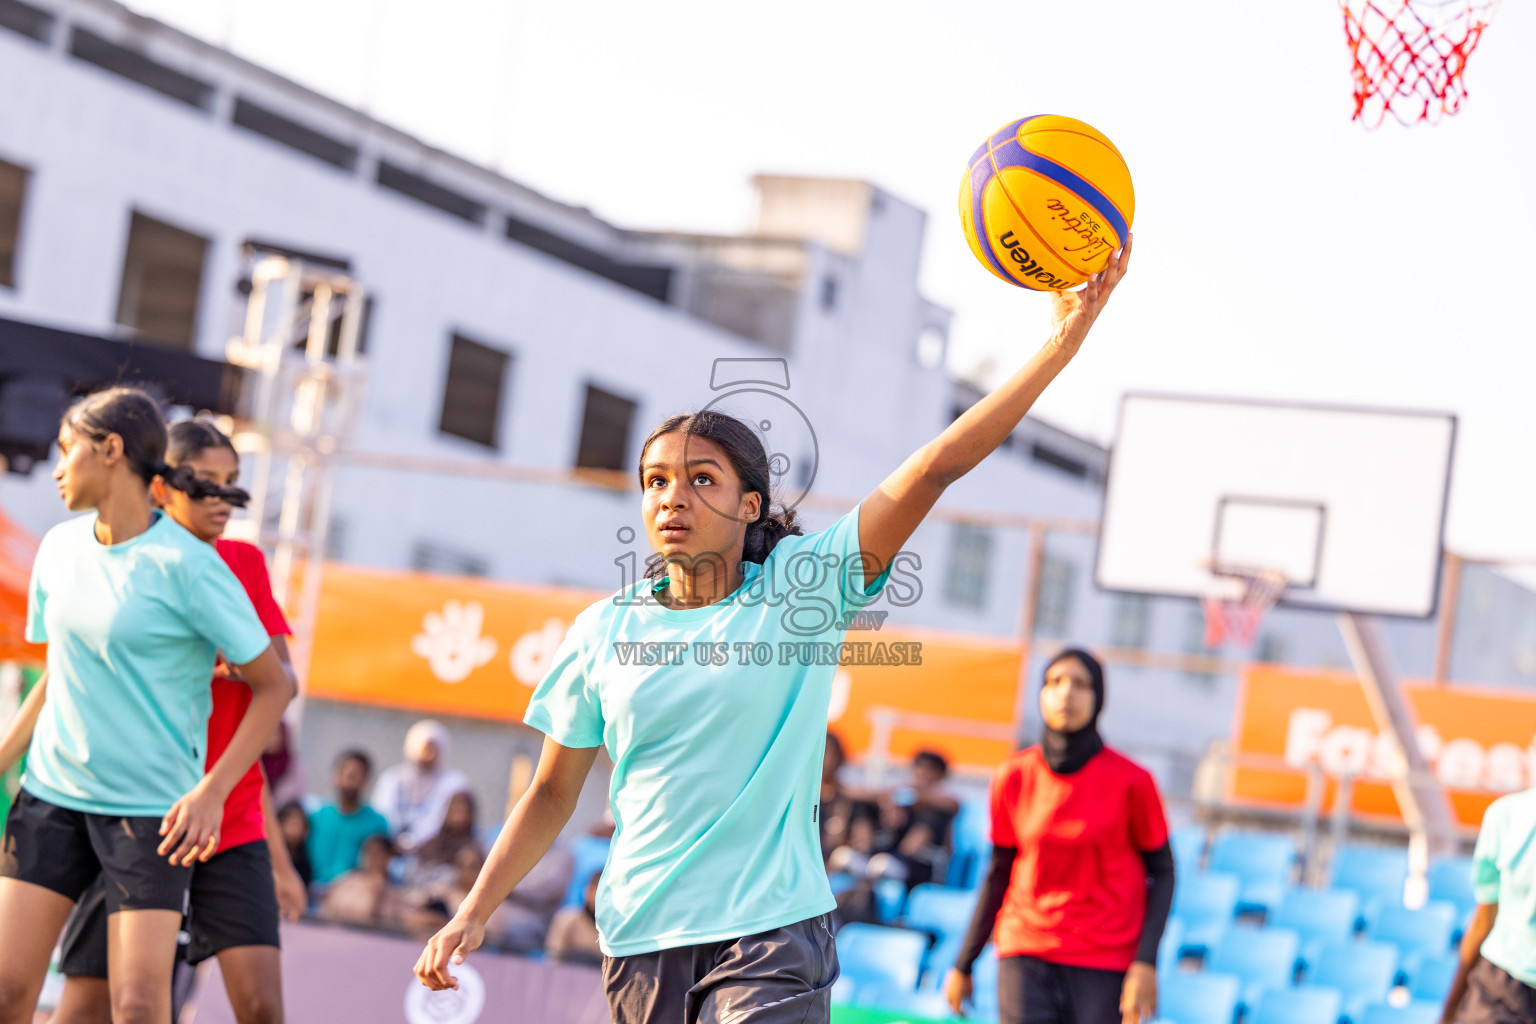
x,y
783,976
1494,996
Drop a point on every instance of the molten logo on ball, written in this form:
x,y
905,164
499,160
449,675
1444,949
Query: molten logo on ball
x,y
1045,201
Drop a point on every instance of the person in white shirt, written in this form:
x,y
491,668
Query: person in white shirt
x,y
413,795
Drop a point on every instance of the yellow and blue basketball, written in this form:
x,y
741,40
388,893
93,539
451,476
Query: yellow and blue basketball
x,y
1045,201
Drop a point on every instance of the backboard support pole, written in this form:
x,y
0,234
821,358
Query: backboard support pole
x,y
1424,805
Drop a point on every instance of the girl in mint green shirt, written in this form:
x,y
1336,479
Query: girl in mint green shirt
x,y
134,610
708,683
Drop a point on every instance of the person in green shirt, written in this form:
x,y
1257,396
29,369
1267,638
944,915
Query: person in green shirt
x,y
337,830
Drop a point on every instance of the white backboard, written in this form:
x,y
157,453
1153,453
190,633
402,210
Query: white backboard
x,y
1348,503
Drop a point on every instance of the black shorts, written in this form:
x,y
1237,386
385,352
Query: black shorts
x,y
65,851
1494,996
233,903
783,976
1034,991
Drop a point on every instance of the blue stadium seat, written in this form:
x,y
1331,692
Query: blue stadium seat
x,y
1173,942
844,991
1304,1004
971,843
1261,958
1262,860
1417,934
1432,981
1318,917
1413,1013
1197,997
1376,874
1205,903
1188,845
1450,879
940,910
1361,971
871,953
590,854
890,897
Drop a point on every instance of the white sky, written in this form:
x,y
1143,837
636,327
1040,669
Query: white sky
x,y
1282,251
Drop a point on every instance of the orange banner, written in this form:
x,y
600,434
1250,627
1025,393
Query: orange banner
x,y
1480,743
461,646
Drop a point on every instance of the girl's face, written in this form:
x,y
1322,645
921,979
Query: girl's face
x,y
697,510
84,469
1067,698
206,517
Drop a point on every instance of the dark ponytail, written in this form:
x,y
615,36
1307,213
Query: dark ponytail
x,y
133,416
741,445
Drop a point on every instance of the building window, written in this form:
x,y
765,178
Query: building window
x,y
427,556
605,426
162,281
13,190
970,556
472,397
1132,620
1053,596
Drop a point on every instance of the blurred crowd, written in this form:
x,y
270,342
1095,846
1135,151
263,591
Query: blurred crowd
x,y
897,834
399,849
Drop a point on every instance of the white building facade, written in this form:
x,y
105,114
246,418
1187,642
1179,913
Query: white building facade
x,y
139,167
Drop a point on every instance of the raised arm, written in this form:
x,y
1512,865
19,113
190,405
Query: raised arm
x,y
531,829
892,511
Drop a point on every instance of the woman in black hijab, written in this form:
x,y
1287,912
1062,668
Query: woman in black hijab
x,y
1081,878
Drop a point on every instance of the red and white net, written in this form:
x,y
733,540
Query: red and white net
x,y
1410,55
1238,619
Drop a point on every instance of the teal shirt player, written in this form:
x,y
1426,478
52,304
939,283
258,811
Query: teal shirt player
x,y
132,631
336,839
716,766
1504,872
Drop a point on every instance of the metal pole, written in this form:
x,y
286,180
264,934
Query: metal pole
x,y
1450,596
1027,604
1425,807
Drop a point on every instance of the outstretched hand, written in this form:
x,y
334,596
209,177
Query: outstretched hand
x,y
1072,313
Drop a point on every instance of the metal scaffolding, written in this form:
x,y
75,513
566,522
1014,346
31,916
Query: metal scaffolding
x,y
300,346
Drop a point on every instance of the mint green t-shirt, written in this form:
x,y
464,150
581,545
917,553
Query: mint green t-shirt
x,y
1504,872
716,763
132,631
